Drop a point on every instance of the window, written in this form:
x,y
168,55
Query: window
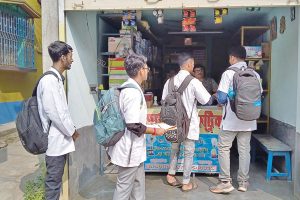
x,y
16,38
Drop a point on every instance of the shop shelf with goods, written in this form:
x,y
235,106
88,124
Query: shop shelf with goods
x,y
115,42
256,40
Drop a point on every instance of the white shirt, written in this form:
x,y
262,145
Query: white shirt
x,y
195,90
52,105
231,122
133,112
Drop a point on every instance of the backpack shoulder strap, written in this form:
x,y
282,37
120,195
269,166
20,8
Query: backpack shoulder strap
x,y
185,83
131,85
46,73
171,85
235,69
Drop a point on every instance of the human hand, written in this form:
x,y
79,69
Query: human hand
x,y
75,135
160,131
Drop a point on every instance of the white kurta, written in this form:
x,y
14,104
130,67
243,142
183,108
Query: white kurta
x,y
52,105
195,90
130,150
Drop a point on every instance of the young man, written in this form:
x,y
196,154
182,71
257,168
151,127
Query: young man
x,y
194,91
129,153
233,127
54,113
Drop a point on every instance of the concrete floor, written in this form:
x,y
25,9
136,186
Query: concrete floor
x,y
19,167
22,166
101,188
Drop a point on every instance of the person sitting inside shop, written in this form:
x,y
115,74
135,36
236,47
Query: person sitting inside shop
x,y
210,84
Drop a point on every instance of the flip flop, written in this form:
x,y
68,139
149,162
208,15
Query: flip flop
x,y
176,183
194,186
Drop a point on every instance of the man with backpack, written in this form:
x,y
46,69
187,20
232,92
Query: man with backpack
x,y
129,153
239,93
194,91
55,117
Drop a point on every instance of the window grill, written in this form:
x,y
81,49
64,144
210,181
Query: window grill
x,y
16,38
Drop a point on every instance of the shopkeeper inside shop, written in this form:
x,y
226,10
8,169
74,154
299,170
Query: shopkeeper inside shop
x,y
210,84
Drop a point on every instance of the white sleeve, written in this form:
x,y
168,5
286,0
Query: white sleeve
x,y
55,105
224,83
165,90
200,92
131,100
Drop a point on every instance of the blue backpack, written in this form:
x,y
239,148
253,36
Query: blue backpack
x,y
109,123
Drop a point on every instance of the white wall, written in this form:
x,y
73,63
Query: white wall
x,y
284,69
298,90
81,35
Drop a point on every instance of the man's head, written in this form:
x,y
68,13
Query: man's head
x,y
186,62
61,53
199,71
236,54
136,66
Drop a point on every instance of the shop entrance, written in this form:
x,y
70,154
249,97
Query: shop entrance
x,y
161,35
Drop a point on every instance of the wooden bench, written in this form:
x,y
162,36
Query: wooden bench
x,y
273,147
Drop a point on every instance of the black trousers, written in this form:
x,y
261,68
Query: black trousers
x,y
55,170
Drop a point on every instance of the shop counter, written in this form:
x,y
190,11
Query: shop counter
x,y
206,149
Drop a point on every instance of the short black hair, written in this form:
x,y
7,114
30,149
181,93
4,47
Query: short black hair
x,y
133,63
200,67
183,57
57,49
238,52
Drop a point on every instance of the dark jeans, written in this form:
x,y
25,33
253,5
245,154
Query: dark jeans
x,y
55,170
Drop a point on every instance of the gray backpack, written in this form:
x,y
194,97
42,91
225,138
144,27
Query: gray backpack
x,y
246,103
174,113
29,125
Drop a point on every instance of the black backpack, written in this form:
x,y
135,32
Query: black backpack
x,y
29,125
174,113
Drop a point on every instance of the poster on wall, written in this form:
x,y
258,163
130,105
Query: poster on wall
x,y
273,30
206,148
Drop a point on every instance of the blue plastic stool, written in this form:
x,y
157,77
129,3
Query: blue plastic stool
x,y
288,172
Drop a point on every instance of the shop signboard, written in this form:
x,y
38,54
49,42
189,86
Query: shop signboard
x,y
206,150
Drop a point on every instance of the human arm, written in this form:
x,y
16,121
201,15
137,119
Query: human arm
x,y
201,93
222,92
131,100
53,100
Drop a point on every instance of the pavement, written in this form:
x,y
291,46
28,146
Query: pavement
x,y
22,166
19,167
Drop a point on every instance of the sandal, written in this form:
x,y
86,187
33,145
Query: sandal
x,y
194,186
176,183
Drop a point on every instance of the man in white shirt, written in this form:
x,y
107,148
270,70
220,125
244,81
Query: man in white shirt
x,y
233,127
55,117
194,91
129,153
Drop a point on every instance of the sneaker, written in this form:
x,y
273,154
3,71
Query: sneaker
x,y
243,186
222,188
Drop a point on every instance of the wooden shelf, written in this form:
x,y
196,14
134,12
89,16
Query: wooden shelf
x,y
257,59
185,46
113,34
108,53
17,69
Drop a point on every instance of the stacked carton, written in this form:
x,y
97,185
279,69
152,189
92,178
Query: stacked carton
x,y
117,72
